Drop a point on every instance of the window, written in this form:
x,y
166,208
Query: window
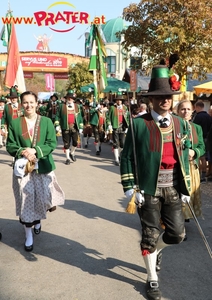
x,y
111,64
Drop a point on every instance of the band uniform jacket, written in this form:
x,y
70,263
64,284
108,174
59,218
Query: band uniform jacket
x,y
62,117
148,148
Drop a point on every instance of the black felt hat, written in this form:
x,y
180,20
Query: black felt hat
x,y
160,83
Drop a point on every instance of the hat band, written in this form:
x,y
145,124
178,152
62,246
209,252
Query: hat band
x,y
160,73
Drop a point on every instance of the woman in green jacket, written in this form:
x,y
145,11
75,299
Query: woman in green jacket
x,y
184,110
31,140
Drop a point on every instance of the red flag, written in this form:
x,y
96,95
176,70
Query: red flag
x,y
14,72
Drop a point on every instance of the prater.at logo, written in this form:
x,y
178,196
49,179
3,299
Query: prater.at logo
x,y
72,17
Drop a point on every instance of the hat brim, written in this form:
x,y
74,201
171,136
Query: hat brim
x,y
159,93
119,99
70,96
12,97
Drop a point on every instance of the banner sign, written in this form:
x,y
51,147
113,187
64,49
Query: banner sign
x,y
43,61
133,81
60,75
28,74
49,78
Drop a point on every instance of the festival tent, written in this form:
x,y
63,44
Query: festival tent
x,y
205,88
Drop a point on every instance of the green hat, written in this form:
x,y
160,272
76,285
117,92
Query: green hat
x,y
119,96
2,99
160,83
70,94
13,93
87,102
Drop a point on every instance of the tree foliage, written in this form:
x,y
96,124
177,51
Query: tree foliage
x,y
79,76
163,28
37,84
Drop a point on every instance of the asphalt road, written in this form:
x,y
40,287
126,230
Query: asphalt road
x,y
89,248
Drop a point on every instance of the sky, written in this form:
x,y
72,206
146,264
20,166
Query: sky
x,y
72,41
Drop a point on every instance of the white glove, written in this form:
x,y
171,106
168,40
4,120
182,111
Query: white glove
x,y
98,107
185,198
57,128
126,130
129,194
80,131
110,128
139,196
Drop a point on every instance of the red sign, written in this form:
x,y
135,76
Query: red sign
x,y
133,81
28,75
43,61
60,75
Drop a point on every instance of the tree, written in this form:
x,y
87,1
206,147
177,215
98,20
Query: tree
x,y
79,76
179,27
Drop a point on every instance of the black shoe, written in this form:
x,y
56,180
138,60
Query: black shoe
x,y
86,146
152,290
12,164
202,180
97,152
28,248
37,231
67,162
159,261
185,238
117,163
100,149
0,235
72,157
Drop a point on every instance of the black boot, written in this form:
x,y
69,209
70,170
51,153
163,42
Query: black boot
x,y
152,290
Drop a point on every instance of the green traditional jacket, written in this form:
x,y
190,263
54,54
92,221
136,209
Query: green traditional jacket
x,y
94,117
18,139
62,117
8,114
113,117
197,141
149,147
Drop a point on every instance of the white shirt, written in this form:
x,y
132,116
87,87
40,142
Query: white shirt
x,y
158,117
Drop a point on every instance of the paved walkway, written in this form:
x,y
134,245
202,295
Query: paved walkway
x,y
89,248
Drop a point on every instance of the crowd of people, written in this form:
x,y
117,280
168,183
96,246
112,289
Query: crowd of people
x,y
159,150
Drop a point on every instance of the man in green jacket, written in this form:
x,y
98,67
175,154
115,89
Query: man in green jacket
x,y
69,117
12,111
156,158
118,122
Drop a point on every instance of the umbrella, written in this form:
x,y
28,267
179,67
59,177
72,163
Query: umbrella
x,y
205,88
87,88
114,86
